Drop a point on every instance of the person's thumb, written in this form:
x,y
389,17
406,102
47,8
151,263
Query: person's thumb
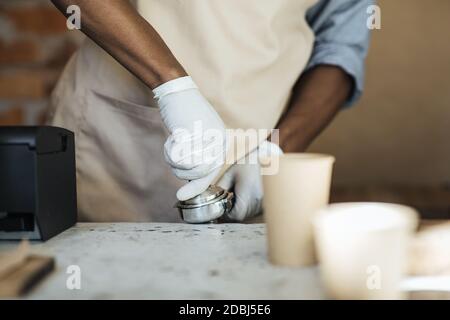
x,y
227,180
238,213
195,187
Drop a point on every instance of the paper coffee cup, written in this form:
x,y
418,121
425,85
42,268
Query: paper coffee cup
x,y
363,248
292,196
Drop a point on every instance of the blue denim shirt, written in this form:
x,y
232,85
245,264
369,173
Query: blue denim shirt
x,y
342,37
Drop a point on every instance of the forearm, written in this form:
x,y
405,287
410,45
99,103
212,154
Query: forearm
x,y
118,28
317,97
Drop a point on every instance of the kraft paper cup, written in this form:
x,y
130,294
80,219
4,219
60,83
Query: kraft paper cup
x,y
363,248
292,196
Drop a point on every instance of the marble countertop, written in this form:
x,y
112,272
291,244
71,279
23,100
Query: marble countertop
x,y
169,261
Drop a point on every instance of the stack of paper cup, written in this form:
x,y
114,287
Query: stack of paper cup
x,y
363,248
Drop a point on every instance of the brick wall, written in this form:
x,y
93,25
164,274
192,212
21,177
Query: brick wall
x,y
34,47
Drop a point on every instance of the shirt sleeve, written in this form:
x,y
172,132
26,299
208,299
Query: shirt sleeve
x,y
342,38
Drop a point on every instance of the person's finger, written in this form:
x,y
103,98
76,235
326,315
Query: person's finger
x,y
241,202
227,180
177,154
188,154
239,210
195,187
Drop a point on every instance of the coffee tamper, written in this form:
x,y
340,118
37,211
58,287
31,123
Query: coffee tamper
x,y
208,206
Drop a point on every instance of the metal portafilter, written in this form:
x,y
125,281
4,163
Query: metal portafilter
x,y
208,206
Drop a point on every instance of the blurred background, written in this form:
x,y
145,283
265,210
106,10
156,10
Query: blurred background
x,y
393,146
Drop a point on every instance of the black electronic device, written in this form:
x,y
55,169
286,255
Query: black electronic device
x,y
37,182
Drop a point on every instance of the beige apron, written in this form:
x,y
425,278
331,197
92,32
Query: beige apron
x,y
245,56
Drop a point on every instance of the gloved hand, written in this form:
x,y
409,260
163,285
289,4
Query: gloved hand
x,y
244,179
196,147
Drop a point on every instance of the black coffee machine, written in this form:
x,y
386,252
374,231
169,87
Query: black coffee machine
x,y
37,182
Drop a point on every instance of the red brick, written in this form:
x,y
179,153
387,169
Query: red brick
x,y
19,51
27,84
11,117
60,57
40,20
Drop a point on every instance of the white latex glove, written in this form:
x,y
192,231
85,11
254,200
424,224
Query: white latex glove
x,y
246,182
197,144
